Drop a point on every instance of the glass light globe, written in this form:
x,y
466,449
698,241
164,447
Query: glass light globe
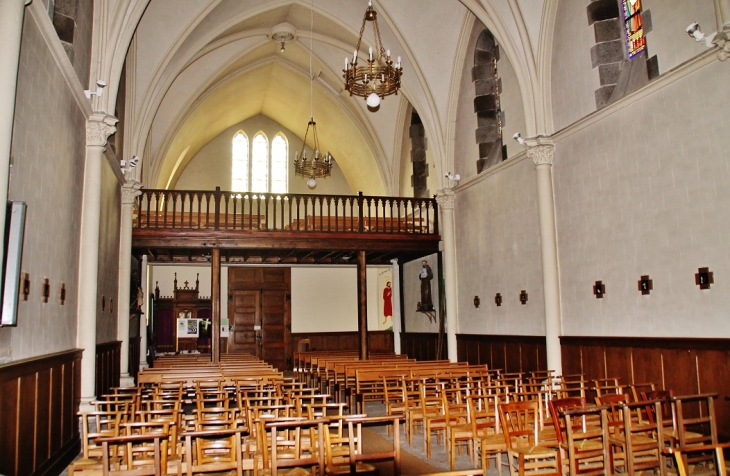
x,y
311,183
373,100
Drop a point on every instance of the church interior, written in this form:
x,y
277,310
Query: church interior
x,y
522,185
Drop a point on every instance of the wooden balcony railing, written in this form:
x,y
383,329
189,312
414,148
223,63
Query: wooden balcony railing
x,y
254,212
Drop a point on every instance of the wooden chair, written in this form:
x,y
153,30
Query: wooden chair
x,y
587,445
213,451
717,467
485,433
641,442
520,424
337,448
142,455
354,431
314,458
93,426
451,412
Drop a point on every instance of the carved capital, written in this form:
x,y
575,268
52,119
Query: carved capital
x,y
98,128
722,41
394,261
130,191
541,154
446,198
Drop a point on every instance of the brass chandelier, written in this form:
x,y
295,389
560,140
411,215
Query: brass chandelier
x,y
379,77
319,166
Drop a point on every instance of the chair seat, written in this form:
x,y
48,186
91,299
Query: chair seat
x,y
493,440
585,445
687,434
360,468
531,451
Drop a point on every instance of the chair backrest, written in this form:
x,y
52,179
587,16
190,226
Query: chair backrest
x,y
354,428
141,455
681,456
557,407
695,416
484,415
644,440
520,423
213,451
295,429
614,411
667,412
588,442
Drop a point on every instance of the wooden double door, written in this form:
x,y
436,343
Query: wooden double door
x,y
260,313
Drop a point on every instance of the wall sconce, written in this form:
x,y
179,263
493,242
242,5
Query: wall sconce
x,y
694,31
477,301
25,286
45,290
62,294
523,297
498,299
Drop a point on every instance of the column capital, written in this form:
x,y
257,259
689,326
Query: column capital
x,y
446,198
98,128
394,261
541,154
130,191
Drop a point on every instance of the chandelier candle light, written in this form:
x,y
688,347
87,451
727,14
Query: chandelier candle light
x,y
318,166
379,77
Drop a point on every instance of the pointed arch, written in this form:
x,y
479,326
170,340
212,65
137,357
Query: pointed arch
x,y
260,163
279,164
239,162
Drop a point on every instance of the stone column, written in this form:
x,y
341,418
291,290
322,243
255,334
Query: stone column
x,y
395,285
722,39
145,315
11,29
542,155
445,198
130,191
98,128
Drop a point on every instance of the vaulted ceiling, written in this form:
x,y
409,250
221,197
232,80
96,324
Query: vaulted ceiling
x,y
196,68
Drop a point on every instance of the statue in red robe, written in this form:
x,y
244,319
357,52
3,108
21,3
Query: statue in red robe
x,y
387,302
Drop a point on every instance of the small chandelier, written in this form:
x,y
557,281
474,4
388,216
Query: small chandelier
x,y
316,167
378,78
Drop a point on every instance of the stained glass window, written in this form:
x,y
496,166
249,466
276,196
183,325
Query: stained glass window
x,y
260,164
633,26
279,164
239,163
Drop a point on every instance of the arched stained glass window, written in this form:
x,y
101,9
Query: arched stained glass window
x,y
279,164
239,163
260,164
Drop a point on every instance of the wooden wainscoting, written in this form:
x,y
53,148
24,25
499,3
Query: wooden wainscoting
x,y
509,353
378,341
107,366
419,345
685,366
39,399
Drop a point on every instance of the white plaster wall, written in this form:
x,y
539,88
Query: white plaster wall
x,y
573,78
669,18
498,251
47,153
324,299
644,191
211,167
418,321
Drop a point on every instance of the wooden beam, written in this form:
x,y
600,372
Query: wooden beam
x,y
215,299
362,304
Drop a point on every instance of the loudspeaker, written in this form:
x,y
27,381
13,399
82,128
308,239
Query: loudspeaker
x,y
14,233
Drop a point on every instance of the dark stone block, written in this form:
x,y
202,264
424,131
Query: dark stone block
x,y
603,96
487,118
485,149
646,21
420,169
602,10
482,71
65,27
484,86
417,130
608,73
652,67
486,41
485,103
483,57
481,163
418,155
69,49
607,52
418,142
607,30
65,7
487,133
